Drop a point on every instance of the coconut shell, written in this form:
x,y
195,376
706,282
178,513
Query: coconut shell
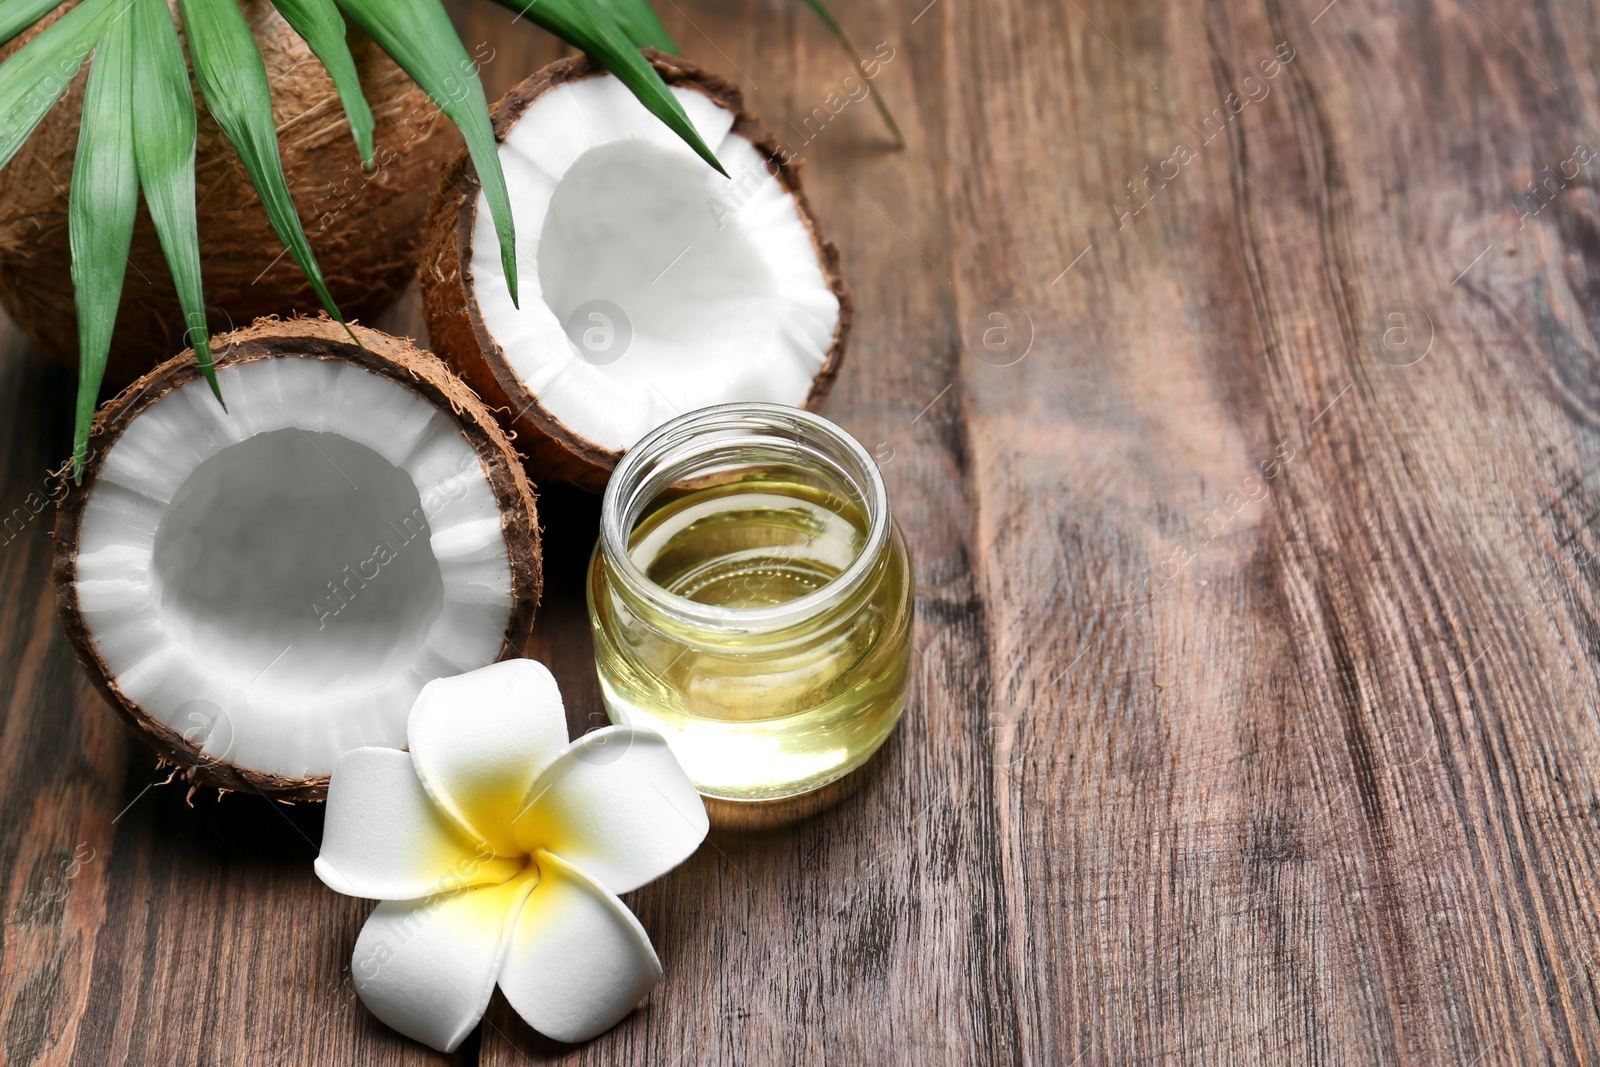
x,y
456,329
319,338
363,226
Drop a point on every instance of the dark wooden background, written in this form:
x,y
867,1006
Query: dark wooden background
x,y
1203,766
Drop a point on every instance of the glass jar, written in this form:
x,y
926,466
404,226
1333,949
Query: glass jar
x,y
751,599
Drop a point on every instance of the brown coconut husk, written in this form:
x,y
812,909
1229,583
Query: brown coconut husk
x,y
319,338
456,329
363,226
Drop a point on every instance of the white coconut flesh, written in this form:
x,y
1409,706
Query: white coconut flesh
x,y
278,581
718,278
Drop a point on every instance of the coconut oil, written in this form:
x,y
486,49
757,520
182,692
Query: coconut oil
x,y
751,599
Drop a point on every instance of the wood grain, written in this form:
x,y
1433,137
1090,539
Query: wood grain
x,y
1258,629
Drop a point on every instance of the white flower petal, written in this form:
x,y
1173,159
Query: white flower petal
x,y
383,838
427,967
578,961
618,805
480,739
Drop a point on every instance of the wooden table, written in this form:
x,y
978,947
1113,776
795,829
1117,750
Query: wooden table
x,y
1253,506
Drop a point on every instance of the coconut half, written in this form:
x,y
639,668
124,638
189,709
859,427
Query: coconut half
x,y
261,589
650,285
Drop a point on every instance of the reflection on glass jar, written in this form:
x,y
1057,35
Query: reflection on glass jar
x,y
751,599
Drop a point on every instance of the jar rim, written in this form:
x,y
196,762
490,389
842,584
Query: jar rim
x,y
656,454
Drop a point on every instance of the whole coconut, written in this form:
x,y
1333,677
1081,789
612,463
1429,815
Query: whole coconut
x,y
363,225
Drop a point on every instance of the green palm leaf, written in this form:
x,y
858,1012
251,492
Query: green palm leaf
x,y
233,81
638,20
18,15
33,79
592,29
163,148
839,35
139,126
101,203
418,35
320,23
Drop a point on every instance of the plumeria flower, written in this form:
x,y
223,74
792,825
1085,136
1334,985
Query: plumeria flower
x,y
498,850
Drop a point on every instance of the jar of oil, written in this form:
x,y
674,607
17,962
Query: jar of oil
x,y
751,599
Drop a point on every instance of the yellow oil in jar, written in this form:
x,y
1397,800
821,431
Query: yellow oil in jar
x,y
758,701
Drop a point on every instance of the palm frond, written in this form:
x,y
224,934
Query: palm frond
x,y
638,20
839,35
18,15
418,35
33,79
320,23
592,29
233,83
101,205
138,127
163,149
